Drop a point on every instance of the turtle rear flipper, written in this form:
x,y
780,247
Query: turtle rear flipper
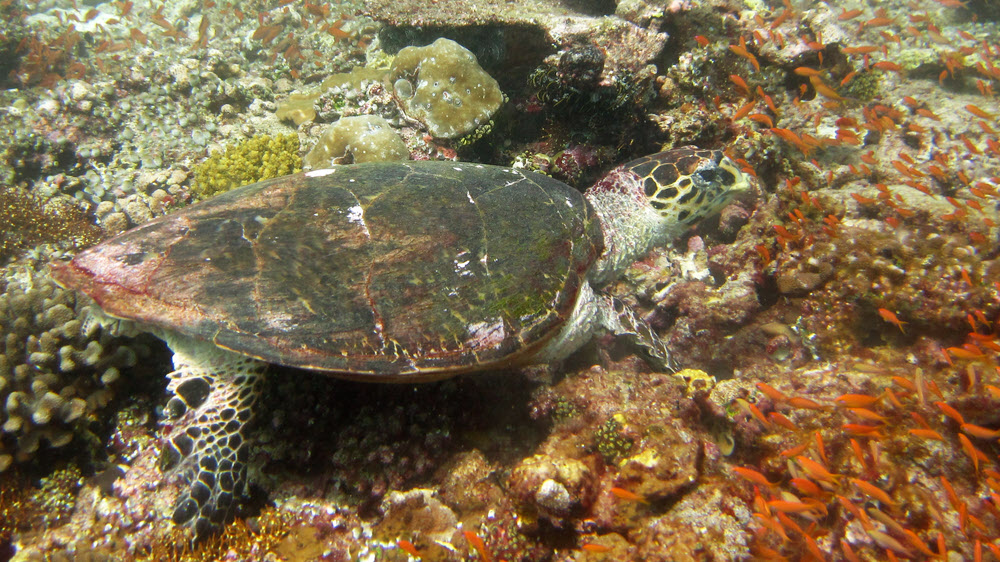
x,y
205,447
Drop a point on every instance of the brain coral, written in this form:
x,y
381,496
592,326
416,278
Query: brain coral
x,y
55,366
363,138
443,86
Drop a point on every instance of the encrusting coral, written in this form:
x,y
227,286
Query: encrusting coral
x,y
443,86
362,138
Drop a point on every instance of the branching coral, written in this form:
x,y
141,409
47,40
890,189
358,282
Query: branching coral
x,y
56,367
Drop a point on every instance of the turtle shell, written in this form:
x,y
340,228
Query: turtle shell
x,y
414,270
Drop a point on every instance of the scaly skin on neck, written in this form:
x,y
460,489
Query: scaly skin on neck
x,y
631,226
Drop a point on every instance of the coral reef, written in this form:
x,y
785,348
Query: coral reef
x,y
259,158
443,86
362,138
844,324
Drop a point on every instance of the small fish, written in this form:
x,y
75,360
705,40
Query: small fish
x,y
791,507
890,316
975,454
873,491
408,547
624,494
478,544
753,476
856,400
849,14
888,66
804,403
806,486
596,548
979,431
816,470
806,71
782,420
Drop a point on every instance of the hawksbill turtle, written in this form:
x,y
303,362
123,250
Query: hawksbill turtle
x,y
389,271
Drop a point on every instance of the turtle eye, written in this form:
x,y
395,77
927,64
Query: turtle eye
x,y
708,175
727,177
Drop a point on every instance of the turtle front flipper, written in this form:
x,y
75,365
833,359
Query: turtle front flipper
x,y
205,444
619,319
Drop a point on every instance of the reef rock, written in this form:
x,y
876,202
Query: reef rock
x,y
628,45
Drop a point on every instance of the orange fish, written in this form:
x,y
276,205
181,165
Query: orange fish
x,y
979,431
975,454
824,90
890,316
782,420
856,400
816,470
806,71
478,544
975,110
804,403
753,476
888,65
771,392
950,412
849,14
596,548
862,50
408,547
873,491
627,495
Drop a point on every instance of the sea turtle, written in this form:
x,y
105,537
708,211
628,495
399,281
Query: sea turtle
x,y
389,271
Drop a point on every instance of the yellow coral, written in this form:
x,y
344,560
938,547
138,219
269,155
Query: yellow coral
x,y
260,158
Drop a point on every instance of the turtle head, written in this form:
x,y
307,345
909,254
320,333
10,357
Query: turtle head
x,y
687,184
647,202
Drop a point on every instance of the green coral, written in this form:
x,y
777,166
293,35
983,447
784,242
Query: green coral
x,y
564,410
260,158
612,442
